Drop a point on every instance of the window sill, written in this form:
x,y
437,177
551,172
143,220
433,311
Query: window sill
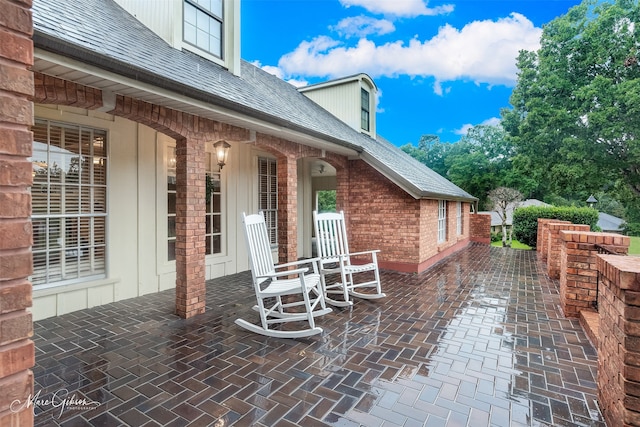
x,y
53,290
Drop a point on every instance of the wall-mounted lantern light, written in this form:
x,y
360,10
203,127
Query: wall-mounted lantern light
x,y
222,152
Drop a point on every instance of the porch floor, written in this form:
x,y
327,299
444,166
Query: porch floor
x,y
476,340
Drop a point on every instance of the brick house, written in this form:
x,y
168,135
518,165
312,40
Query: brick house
x,y
110,186
128,197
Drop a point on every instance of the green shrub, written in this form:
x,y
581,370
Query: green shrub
x,y
632,229
525,220
496,236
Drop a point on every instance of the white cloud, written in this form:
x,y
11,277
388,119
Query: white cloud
x,y
276,71
482,51
379,109
362,26
493,121
409,8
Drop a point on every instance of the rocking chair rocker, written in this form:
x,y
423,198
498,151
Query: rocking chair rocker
x,y
271,286
335,258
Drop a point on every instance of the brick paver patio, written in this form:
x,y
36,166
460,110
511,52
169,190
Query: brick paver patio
x,y
477,340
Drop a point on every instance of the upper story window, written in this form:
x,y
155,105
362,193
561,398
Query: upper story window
x,y
203,25
459,218
364,114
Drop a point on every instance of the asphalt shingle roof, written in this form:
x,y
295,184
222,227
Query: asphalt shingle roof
x,y
101,33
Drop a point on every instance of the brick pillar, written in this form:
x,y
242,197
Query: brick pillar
x,y
190,227
287,209
554,244
579,270
342,190
480,228
16,117
619,344
542,236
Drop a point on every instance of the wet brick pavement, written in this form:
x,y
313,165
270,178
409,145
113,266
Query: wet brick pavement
x,y
477,340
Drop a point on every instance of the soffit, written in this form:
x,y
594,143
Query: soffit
x,y
77,72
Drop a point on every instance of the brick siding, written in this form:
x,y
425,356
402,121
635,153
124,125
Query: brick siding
x,y
480,225
578,267
383,216
619,340
17,353
542,236
555,242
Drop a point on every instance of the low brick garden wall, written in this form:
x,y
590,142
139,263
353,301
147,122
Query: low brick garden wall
x,y
610,283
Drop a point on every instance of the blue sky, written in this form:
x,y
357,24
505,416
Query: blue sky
x,y
440,66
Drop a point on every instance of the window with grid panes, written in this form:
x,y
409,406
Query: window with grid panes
x,y
69,202
171,203
442,221
203,23
364,115
268,195
214,209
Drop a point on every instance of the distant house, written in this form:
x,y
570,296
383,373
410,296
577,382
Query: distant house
x,y
610,224
496,219
606,222
129,193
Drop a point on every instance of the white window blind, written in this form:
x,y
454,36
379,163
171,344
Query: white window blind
x,y
268,195
69,201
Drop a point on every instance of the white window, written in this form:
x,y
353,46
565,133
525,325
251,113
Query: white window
x,y
69,202
459,218
203,25
213,201
171,203
268,195
364,110
442,221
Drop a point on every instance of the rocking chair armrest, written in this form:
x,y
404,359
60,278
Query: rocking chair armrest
x,y
284,273
299,262
374,251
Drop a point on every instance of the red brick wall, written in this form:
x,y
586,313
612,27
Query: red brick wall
x,y
16,117
542,236
480,225
555,242
382,216
619,342
578,268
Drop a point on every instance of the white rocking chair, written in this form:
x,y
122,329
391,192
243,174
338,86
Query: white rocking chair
x,y
271,286
335,258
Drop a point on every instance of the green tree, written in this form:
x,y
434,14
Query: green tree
x,y
574,121
430,151
327,201
480,161
502,200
